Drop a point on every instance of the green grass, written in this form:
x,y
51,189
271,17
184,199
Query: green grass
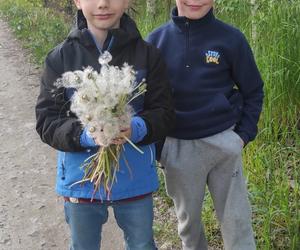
x,y
148,23
271,163
39,29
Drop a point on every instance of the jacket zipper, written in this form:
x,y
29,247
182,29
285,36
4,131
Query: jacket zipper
x,y
187,45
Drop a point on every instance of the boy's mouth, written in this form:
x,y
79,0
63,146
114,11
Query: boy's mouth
x,y
103,16
194,7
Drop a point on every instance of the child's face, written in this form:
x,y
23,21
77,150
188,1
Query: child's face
x,y
194,9
102,15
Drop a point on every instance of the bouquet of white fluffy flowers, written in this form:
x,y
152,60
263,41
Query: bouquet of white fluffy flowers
x,y
102,104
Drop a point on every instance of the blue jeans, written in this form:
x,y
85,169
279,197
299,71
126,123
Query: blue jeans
x,y
135,218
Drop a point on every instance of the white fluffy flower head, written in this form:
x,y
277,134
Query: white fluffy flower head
x,y
101,100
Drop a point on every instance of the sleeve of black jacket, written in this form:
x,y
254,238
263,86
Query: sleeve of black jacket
x,y
55,124
158,111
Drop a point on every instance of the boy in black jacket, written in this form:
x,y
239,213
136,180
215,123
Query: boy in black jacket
x,y
218,99
103,26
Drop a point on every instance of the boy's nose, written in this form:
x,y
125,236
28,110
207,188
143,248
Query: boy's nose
x,y
102,4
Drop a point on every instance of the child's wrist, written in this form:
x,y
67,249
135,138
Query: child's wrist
x,y
138,129
86,140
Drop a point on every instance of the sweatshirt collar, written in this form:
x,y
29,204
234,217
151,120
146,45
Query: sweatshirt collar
x,y
182,21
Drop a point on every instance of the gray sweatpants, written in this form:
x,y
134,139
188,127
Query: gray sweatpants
x,y
215,161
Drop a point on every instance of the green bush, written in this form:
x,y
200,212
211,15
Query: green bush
x,y
40,29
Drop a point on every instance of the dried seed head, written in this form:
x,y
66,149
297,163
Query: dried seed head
x,y
88,117
85,97
77,79
105,58
92,129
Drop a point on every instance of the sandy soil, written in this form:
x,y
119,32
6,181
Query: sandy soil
x,y
31,214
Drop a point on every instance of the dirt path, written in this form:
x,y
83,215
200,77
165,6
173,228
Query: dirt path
x,y
31,215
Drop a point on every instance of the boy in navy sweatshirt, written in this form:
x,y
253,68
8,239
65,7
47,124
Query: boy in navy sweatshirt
x,y
218,95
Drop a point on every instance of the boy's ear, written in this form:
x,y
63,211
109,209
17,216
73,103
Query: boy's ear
x,y
77,3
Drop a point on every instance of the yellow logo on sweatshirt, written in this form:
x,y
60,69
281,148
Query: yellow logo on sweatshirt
x,y
212,57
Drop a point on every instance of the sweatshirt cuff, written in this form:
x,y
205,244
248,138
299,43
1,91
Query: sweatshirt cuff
x,y
86,141
138,129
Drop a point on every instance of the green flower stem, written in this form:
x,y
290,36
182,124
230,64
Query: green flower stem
x,y
132,144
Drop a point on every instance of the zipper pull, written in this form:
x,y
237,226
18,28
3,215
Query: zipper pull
x,y
187,24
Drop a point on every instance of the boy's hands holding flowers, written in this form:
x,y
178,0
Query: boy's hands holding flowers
x,y
101,101
120,139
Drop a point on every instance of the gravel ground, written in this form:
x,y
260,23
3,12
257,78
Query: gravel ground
x,y
31,214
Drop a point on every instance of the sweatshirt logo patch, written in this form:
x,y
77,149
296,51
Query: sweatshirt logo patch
x,y
212,57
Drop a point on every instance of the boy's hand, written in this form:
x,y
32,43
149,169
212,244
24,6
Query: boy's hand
x,y
240,139
119,140
242,142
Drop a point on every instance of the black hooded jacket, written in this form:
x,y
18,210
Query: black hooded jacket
x,y
60,128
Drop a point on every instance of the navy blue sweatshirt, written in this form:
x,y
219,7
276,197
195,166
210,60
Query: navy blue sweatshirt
x,y
214,77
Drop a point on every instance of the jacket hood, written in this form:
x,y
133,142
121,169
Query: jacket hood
x,y
126,33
